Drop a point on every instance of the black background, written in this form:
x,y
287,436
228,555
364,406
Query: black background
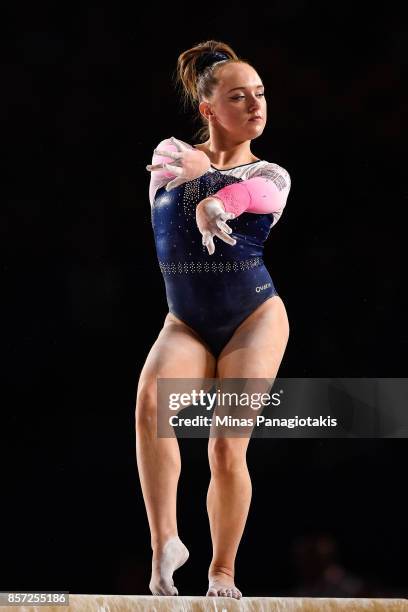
x,y
89,93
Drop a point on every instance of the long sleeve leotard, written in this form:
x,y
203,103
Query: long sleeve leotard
x,y
214,294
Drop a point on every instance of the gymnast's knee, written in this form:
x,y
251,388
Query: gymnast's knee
x,y
146,404
226,456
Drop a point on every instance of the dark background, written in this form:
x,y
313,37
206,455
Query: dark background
x,y
89,93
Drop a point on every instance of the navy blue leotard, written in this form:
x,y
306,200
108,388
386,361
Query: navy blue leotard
x,y
213,294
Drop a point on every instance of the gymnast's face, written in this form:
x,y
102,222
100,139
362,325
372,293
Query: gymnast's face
x,y
237,99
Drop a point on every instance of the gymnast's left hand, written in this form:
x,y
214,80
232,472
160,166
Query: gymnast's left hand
x,y
187,164
211,220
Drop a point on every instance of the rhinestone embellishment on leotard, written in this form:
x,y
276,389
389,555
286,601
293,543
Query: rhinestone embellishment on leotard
x,y
192,267
191,195
214,181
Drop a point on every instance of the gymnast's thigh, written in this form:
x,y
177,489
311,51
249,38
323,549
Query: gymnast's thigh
x,y
178,352
257,346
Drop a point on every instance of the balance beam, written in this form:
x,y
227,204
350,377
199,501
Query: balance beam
x,y
145,603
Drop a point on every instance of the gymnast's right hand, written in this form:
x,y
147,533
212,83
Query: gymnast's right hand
x,y
185,163
211,217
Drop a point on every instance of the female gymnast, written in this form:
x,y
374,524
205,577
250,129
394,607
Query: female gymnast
x,y
213,205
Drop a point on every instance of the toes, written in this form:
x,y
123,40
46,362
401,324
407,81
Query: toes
x,y
225,591
212,593
164,589
169,589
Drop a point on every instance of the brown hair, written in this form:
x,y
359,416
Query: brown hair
x,y
197,85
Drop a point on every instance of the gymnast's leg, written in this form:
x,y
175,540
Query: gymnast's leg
x,y
177,353
255,351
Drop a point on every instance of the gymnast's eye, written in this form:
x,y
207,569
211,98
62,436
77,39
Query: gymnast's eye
x,y
243,97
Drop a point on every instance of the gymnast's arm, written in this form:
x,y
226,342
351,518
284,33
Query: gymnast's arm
x,y
266,191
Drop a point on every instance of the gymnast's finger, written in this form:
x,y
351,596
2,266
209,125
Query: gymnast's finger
x,y
223,226
171,154
153,167
179,144
225,238
175,169
227,216
210,245
206,237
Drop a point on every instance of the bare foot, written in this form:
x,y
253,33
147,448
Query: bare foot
x,y
173,555
221,584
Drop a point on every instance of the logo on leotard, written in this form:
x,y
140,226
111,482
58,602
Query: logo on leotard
x,y
262,287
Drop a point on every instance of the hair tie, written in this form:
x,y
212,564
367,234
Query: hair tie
x,y
208,59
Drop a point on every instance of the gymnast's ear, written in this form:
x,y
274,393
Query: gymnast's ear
x,y
205,110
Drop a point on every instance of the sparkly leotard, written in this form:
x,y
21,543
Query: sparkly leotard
x,y
213,294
